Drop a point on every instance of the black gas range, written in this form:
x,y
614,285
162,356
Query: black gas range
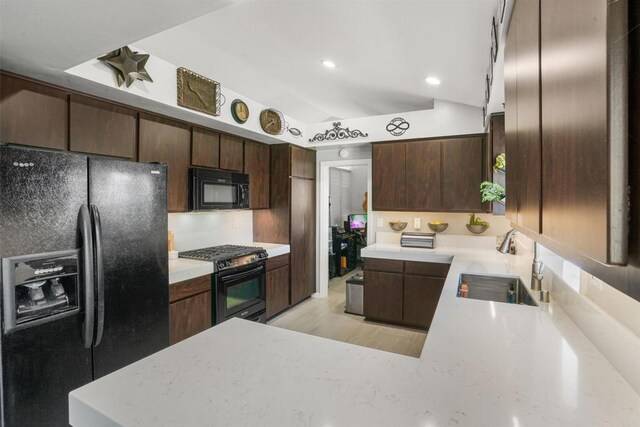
x,y
239,281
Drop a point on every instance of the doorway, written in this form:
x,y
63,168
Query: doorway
x,y
350,177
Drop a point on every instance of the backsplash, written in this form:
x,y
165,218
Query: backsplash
x,y
457,222
201,230
605,315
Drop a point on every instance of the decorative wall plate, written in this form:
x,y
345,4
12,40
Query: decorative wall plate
x,y
198,92
272,121
239,111
398,126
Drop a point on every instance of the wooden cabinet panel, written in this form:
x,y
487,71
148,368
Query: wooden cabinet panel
x,y
277,290
423,175
462,165
169,142
256,164
303,258
420,299
303,163
189,317
433,269
383,296
577,142
388,265
231,153
529,148
389,180
188,288
205,148
277,262
32,114
99,127
511,122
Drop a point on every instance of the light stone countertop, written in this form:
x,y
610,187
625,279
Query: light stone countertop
x,y
184,269
483,364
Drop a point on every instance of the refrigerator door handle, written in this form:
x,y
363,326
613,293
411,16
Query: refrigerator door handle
x,y
87,272
99,272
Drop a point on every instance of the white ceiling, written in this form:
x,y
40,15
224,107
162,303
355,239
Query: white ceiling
x,y
271,51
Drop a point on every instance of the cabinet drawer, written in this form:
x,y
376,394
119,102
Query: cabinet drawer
x,y
433,269
277,262
379,264
187,288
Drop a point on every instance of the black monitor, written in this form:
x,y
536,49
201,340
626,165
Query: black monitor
x,y
357,221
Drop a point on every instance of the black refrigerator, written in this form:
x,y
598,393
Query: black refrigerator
x,y
83,245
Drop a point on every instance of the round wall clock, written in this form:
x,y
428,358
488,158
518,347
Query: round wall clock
x,y
239,111
272,121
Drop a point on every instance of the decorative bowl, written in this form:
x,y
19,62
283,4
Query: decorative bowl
x,y
477,229
438,228
397,225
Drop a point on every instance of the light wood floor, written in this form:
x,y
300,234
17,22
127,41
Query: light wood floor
x,y
325,317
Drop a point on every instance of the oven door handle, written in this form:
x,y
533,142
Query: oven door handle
x,y
243,274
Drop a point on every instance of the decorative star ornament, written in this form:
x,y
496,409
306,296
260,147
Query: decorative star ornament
x,y
127,65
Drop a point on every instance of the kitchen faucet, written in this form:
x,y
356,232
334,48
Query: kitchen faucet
x,y
537,267
505,246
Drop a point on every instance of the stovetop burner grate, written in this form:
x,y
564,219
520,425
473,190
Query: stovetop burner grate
x,y
216,253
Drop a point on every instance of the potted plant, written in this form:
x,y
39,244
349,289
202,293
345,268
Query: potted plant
x,y
492,192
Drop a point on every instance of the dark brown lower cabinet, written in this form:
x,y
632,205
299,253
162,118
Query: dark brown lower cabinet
x,y
303,242
420,299
277,285
383,296
403,292
189,308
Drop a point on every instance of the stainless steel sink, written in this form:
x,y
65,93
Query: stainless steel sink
x,y
495,288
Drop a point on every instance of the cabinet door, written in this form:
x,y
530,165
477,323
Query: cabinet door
x,y
423,174
169,142
584,181
256,164
310,164
99,127
231,153
462,170
420,299
277,290
32,114
383,296
389,180
303,163
205,148
511,121
189,317
303,258
529,146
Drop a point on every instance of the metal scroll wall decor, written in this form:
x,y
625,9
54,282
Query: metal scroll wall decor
x,y
398,126
338,133
128,66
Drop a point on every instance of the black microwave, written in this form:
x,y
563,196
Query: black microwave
x,y
217,189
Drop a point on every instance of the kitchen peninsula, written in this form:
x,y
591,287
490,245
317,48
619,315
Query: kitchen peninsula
x,y
483,363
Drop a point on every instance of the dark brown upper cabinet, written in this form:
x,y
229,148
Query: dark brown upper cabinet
x,y
231,153
584,126
424,175
169,142
99,127
303,163
389,185
523,125
463,172
32,114
256,164
205,148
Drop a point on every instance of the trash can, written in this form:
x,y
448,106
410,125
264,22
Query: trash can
x,y
355,295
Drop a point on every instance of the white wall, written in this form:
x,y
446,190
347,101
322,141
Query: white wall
x,y
163,91
201,230
446,118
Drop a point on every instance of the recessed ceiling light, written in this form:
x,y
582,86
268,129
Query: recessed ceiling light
x,y
433,81
329,64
